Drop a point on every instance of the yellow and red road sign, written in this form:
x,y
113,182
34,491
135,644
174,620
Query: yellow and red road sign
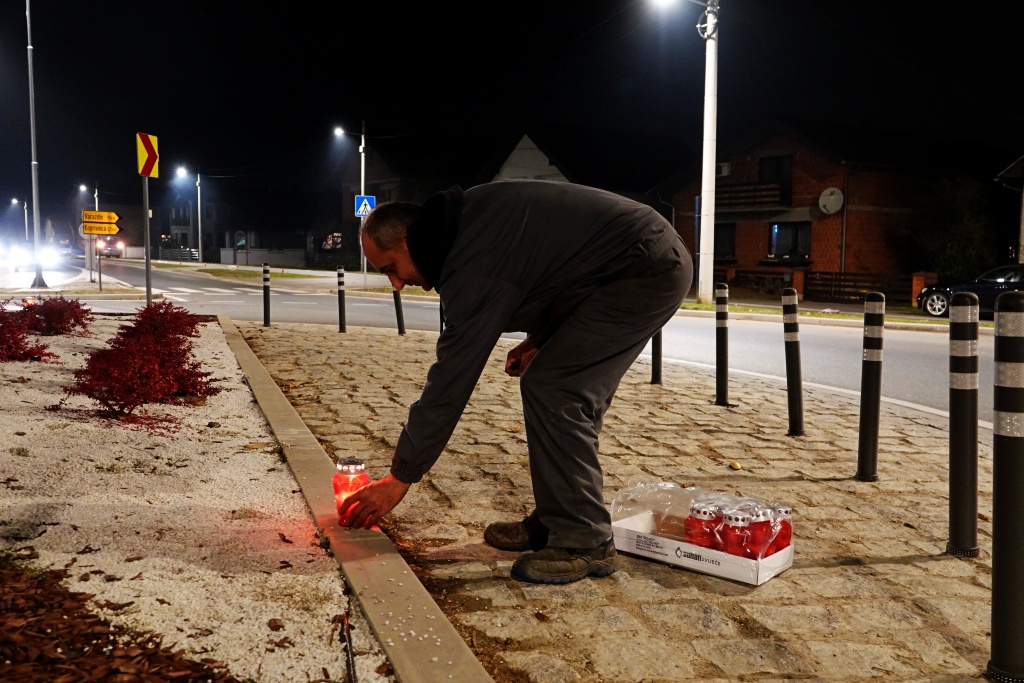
x,y
100,229
99,217
149,159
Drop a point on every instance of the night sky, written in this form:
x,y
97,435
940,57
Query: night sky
x,y
238,90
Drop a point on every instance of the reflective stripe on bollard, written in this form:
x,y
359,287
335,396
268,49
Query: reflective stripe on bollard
x,y
963,425
870,387
1007,658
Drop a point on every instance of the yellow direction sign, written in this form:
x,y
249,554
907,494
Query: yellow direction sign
x,y
99,229
99,216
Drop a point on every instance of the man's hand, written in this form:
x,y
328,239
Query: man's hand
x,y
366,506
519,357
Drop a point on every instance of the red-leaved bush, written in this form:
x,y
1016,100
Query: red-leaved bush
x,y
57,315
148,361
14,341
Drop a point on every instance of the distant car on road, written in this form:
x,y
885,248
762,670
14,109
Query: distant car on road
x,y
21,256
934,300
109,248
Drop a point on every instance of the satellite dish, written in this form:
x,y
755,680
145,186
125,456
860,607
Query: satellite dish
x,y
831,200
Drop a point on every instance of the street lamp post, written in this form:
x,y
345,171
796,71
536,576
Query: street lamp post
x,y
708,30
15,200
338,132
38,282
706,259
183,172
90,240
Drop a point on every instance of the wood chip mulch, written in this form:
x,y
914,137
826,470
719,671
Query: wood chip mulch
x,y
47,633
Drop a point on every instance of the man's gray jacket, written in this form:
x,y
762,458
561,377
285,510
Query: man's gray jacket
x,y
523,254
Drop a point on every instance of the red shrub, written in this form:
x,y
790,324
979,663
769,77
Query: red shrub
x,y
14,341
120,383
148,361
57,315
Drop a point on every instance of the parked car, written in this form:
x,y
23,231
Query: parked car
x,y
934,300
109,248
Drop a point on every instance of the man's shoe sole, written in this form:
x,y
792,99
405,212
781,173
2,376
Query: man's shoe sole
x,y
597,568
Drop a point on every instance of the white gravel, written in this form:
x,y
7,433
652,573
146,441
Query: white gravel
x,y
201,528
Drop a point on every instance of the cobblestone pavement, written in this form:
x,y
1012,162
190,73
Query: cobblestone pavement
x,y
871,594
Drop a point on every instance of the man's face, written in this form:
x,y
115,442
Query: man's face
x,y
396,263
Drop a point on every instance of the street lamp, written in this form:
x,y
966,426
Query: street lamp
x,y
339,132
16,201
182,173
708,30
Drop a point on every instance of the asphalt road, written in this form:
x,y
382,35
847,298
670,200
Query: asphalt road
x,y
915,366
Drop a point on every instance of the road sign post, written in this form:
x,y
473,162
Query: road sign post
x,y
149,167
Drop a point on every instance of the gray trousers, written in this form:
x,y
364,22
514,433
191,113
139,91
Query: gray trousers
x,y
569,384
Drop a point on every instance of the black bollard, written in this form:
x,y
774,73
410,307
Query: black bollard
x,y
656,358
341,299
1007,658
794,379
871,387
963,425
266,295
721,344
398,310
440,310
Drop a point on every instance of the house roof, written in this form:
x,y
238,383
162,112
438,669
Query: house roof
x,y
610,160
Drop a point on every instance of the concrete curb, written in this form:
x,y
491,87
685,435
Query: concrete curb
x,y
416,636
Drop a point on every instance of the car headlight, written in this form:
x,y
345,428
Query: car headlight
x,y
48,257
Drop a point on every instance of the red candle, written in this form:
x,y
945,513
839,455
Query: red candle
x,y
350,477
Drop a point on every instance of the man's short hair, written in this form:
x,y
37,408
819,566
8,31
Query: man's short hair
x,y
386,224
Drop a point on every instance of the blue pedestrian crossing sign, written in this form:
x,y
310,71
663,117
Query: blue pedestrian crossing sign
x,y
365,204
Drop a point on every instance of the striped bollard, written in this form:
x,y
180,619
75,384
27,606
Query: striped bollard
x,y
341,299
870,387
963,425
1007,651
794,378
266,295
656,358
398,310
721,344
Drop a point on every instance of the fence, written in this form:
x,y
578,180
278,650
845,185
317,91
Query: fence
x,y
852,287
820,285
177,254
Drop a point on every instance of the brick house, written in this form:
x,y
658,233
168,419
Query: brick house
x,y
818,206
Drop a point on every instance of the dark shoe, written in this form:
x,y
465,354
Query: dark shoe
x,y
564,565
528,534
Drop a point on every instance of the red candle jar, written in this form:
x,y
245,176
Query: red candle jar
x,y
350,477
699,527
736,533
762,534
784,518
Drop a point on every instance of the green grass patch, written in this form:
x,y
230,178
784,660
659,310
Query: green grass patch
x,y
413,291
228,272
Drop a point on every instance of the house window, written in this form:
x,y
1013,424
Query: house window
x,y
789,241
725,241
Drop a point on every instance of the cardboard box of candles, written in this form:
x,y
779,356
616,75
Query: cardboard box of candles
x,y
742,539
